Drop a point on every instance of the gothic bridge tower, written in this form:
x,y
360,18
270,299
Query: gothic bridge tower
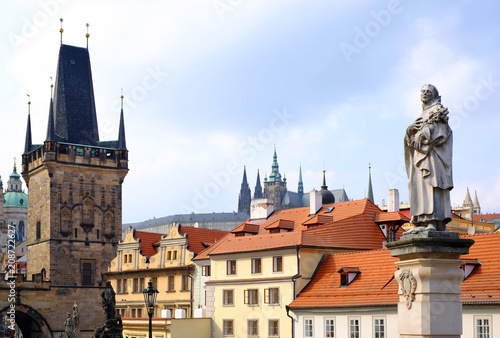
x,y
75,182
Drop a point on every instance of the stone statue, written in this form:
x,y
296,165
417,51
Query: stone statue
x,y
68,329
76,321
113,326
428,155
108,301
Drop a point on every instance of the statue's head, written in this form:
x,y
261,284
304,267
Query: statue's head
x,y
429,94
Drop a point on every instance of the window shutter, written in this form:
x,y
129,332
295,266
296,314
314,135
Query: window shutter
x,y
246,297
267,296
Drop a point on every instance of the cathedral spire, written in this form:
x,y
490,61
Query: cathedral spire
x,y
275,175
122,144
370,189
28,143
245,194
258,188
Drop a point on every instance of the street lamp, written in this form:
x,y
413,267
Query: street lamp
x,y
150,299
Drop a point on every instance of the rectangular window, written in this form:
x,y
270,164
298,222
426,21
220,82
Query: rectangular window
x,y
227,327
133,313
330,328
174,255
277,264
256,265
205,270
125,259
135,287
272,296
154,280
228,297
231,267
130,258
169,255
354,328
251,297
141,284
379,327
253,327
170,286
139,313
274,328
185,282
87,267
38,230
76,232
483,328
308,328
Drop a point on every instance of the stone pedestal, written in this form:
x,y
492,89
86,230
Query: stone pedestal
x,y
429,278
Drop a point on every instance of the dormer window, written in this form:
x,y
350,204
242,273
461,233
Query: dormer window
x,y
281,225
347,275
469,266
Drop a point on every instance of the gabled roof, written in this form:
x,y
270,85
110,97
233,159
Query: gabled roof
x,y
375,284
196,237
247,227
319,219
353,228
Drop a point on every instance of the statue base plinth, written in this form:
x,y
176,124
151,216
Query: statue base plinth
x,y
429,278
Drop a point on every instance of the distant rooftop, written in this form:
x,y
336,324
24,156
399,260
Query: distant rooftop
x,y
191,218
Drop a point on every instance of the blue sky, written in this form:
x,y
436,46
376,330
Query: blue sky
x,y
212,85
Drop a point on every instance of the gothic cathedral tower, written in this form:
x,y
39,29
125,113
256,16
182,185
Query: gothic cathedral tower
x,y
75,182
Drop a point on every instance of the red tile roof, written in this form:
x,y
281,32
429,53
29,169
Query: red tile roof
x,y
392,216
486,217
247,227
375,284
196,237
147,240
352,228
281,224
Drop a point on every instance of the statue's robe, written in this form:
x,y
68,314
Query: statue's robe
x,y
429,169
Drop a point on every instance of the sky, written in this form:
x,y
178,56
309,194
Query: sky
x,y
211,86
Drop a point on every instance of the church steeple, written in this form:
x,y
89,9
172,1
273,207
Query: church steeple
x,y
28,142
370,189
300,188
245,195
258,188
467,199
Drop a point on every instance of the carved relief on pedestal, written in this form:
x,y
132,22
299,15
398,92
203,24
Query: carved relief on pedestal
x,y
408,285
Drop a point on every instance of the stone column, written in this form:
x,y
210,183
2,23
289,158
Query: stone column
x,y
429,278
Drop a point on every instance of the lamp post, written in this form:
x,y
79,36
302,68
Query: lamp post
x,y
150,294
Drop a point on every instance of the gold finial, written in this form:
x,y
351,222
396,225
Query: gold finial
x,y
121,97
87,35
51,87
15,166
61,30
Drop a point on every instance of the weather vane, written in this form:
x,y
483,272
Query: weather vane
x,y
61,30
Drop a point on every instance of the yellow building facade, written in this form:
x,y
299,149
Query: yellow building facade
x,y
166,260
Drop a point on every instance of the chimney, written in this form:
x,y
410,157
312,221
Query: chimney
x,y
316,201
393,200
261,208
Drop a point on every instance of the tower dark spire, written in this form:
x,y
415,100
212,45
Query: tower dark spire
x,y
245,195
300,188
370,189
51,135
74,105
122,144
258,188
28,143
